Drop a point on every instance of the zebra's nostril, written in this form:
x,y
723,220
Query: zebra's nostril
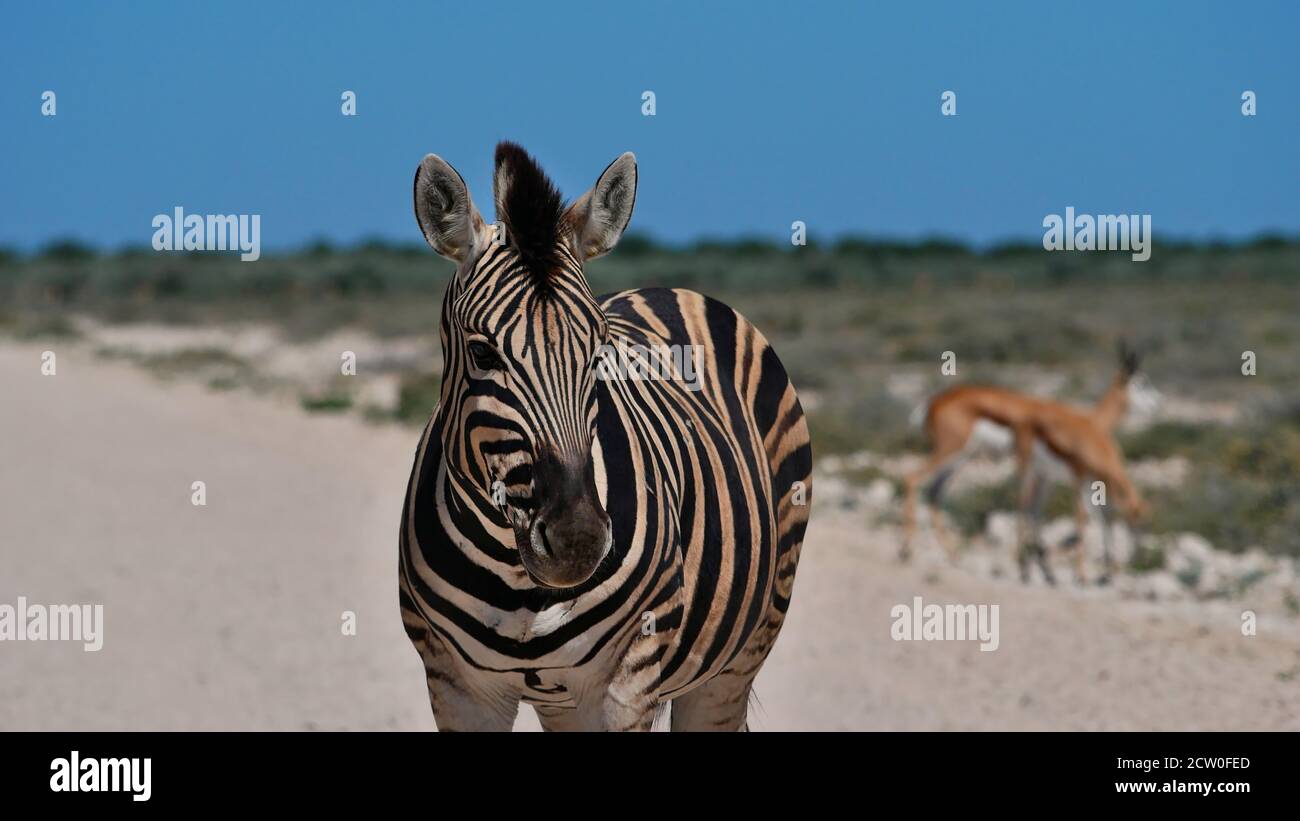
x,y
541,540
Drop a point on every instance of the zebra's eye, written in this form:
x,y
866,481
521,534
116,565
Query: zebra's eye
x,y
485,358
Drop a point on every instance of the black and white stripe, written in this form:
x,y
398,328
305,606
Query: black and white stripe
x,y
646,548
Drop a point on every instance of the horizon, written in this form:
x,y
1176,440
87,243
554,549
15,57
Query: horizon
x,y
646,243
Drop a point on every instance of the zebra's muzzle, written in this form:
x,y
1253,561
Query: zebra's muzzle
x,y
563,548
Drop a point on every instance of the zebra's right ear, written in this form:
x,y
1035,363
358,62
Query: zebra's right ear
x,y
443,208
601,215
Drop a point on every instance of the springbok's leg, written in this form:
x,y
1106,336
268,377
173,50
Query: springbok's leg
x,y
1037,495
942,534
940,465
1130,503
911,485
1078,542
1044,563
1108,557
934,499
1024,531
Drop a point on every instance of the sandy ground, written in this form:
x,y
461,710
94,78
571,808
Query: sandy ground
x,y
228,616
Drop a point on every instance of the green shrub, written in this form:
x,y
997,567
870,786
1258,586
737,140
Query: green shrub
x,y
1146,558
1163,440
417,397
326,402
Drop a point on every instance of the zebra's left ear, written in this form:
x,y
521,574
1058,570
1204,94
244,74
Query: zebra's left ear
x,y
600,216
443,208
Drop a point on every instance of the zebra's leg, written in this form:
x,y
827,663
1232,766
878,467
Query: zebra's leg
x,y
618,708
458,706
720,704
626,700
632,697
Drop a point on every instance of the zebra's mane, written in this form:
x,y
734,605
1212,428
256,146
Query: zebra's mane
x,y
530,207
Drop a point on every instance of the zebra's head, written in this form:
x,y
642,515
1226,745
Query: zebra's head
x,y
521,333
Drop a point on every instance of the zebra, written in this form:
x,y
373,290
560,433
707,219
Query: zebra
x,y
594,547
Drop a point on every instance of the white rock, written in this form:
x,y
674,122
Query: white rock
x,y
830,464
858,461
831,491
381,391
1194,546
1211,581
1121,543
1057,531
1255,560
979,562
1160,586
1001,529
879,495
1286,572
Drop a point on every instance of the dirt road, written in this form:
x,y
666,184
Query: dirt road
x,y
229,615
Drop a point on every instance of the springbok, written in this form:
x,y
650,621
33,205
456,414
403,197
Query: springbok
x,y
1045,436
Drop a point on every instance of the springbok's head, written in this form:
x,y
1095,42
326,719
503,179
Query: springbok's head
x,y
521,334
1142,397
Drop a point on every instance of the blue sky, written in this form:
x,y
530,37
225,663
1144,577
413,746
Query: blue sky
x,y
766,113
